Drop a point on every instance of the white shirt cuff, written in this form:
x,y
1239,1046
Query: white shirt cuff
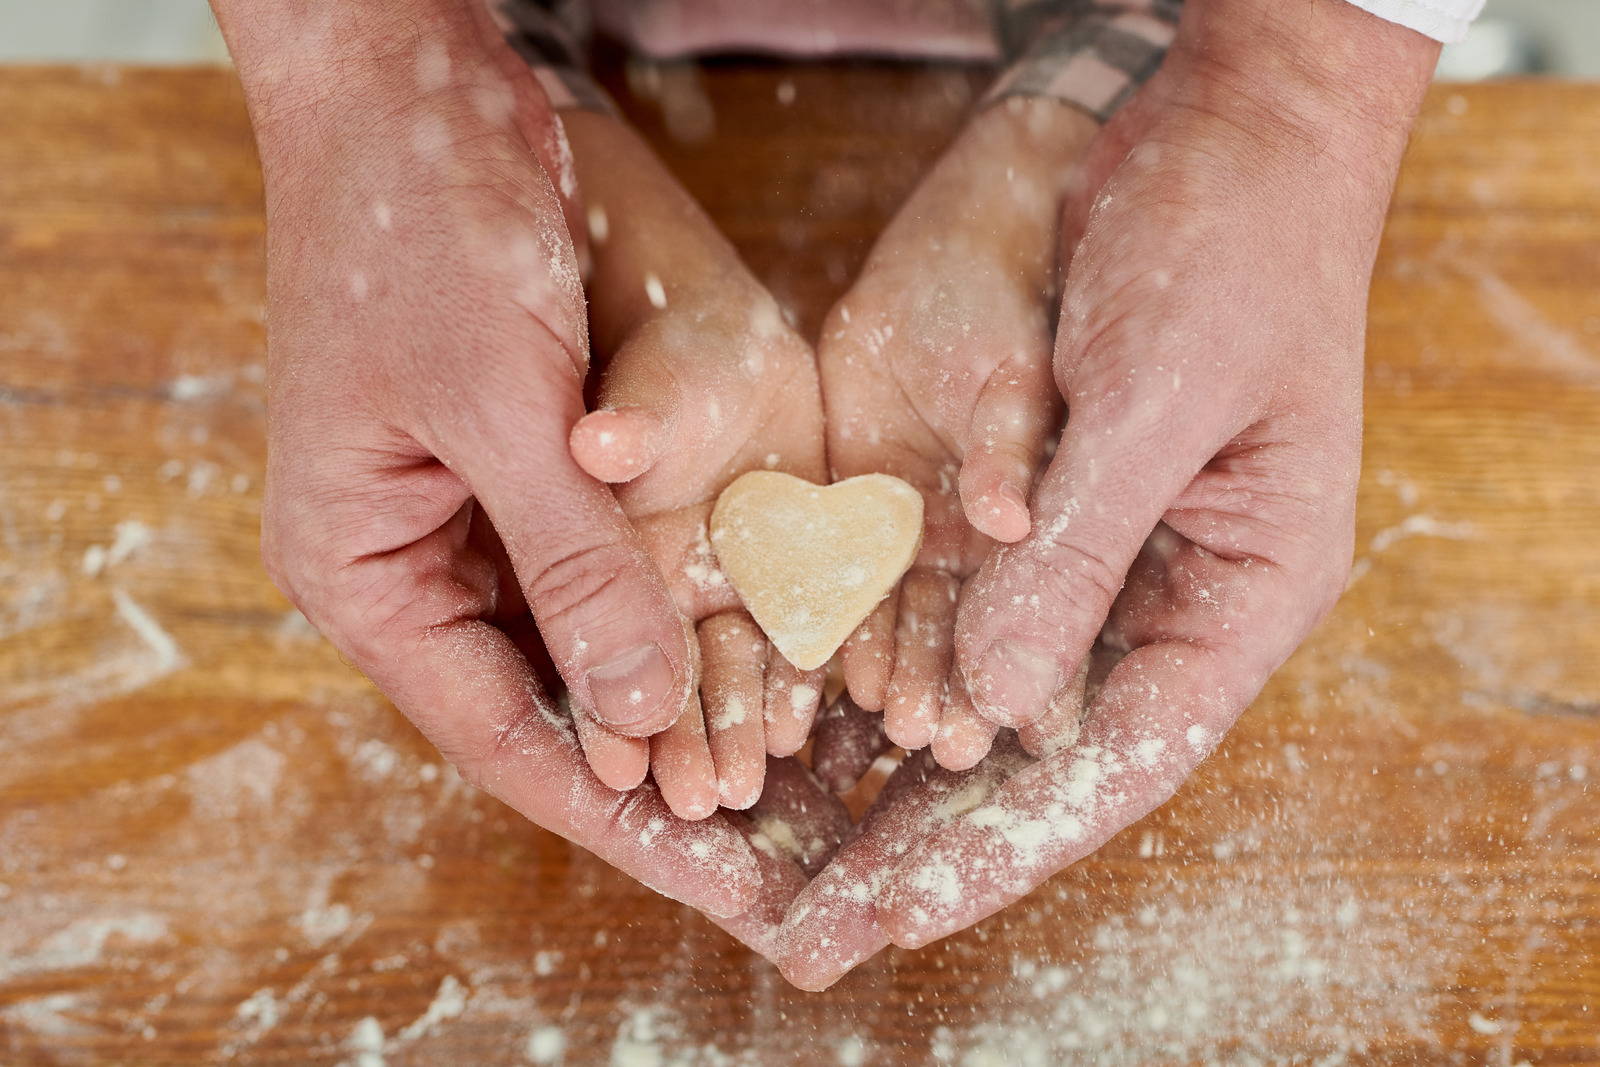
x,y
1443,20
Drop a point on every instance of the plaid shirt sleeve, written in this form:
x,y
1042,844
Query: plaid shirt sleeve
x,y
1093,54
552,36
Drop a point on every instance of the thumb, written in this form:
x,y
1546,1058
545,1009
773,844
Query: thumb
x,y
1031,614
602,606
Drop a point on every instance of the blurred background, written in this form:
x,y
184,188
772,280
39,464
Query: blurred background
x,y
1514,37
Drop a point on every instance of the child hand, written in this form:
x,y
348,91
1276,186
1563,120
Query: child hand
x,y
703,381
936,368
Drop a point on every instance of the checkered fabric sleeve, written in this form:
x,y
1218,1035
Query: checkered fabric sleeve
x,y
1093,54
552,36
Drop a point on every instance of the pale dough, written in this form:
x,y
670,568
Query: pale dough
x,y
810,562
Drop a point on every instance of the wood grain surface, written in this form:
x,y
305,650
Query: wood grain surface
x,y
218,842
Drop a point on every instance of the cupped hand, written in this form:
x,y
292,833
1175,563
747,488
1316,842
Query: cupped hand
x,y
702,381
427,352
1197,519
936,368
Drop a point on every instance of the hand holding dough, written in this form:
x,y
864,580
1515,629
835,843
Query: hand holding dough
x,y
810,562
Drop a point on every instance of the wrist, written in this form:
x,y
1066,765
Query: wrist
x,y
367,56
1324,73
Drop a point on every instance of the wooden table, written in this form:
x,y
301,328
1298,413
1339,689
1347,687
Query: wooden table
x,y
218,841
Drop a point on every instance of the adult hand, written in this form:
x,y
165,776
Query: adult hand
x,y
427,352
1199,508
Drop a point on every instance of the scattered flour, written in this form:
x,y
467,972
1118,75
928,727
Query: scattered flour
x,y
83,943
366,1041
449,1002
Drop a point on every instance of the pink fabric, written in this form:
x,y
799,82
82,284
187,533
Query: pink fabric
x,y
951,29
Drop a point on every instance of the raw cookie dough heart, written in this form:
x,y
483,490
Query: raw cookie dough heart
x,y
811,561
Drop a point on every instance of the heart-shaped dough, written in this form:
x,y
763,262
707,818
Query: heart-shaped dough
x,y
812,561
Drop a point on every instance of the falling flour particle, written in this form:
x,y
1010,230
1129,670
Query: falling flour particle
x,y
433,66
545,1044
366,1041
1484,1025
638,1042
654,290
186,388
599,224
201,475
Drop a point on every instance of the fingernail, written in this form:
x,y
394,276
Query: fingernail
x,y
629,689
1014,683
1015,526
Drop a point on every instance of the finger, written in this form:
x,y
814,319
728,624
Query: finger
x,y
601,604
793,829
618,444
1013,418
832,925
781,881
733,659
1061,722
790,704
680,759
869,655
1216,629
797,817
1029,616
845,743
620,762
922,657
1129,758
964,736
466,687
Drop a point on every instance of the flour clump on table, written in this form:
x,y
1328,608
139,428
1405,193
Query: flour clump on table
x,y
811,562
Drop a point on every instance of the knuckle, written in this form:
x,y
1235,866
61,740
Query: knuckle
x,y
567,582
1077,578
371,610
